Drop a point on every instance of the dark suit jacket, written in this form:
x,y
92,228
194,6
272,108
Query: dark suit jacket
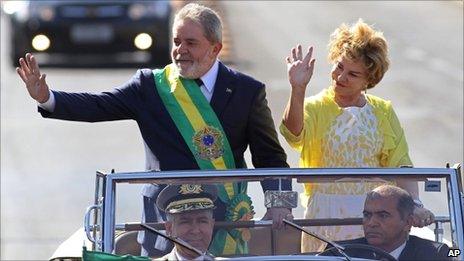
x,y
416,249
238,100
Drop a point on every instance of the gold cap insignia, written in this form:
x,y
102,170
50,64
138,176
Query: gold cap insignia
x,y
190,189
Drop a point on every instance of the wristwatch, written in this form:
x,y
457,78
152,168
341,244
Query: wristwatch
x,y
418,203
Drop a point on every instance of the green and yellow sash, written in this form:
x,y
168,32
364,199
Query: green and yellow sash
x,y
206,139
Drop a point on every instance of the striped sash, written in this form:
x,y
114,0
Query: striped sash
x,y
203,133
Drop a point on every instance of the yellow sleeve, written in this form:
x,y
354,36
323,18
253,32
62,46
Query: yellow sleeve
x,y
308,131
396,148
294,141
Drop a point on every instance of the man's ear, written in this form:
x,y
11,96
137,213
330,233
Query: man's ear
x,y
217,47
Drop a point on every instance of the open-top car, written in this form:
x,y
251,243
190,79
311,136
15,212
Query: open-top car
x,y
111,230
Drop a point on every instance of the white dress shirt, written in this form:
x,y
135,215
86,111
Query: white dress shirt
x,y
397,252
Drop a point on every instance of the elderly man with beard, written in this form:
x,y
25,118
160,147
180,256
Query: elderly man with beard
x,y
195,113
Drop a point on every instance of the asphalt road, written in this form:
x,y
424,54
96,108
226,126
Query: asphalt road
x,y
48,166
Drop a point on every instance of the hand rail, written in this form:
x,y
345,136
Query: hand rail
x,y
136,226
88,228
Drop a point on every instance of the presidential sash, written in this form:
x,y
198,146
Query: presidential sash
x,y
203,133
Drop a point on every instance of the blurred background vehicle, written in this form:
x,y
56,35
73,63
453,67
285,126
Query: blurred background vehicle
x,y
91,32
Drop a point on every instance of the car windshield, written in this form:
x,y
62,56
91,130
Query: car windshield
x,y
121,219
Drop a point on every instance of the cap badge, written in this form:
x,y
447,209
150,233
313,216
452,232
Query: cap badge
x,y
190,189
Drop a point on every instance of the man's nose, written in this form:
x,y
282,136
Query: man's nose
x,y
195,228
181,48
371,222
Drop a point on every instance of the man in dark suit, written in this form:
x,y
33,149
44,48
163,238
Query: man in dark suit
x,y
387,221
232,105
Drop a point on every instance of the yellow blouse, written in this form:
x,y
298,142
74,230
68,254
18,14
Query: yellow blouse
x,y
320,112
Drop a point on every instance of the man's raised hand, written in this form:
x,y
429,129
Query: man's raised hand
x,y
35,82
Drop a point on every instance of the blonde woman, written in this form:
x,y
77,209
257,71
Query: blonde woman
x,y
343,126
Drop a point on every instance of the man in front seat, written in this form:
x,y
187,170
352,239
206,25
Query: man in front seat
x,y
387,221
189,213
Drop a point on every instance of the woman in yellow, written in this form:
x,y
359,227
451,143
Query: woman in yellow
x,y
343,126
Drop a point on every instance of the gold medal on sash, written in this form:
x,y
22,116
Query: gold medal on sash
x,y
208,143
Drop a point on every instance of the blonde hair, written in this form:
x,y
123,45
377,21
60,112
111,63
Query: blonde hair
x,y
361,42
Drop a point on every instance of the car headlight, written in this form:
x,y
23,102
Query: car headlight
x,y
11,7
143,41
158,9
20,9
40,42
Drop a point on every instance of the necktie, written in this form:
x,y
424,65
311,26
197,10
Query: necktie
x,y
199,82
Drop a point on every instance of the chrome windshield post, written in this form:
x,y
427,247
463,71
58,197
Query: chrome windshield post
x,y
108,213
438,231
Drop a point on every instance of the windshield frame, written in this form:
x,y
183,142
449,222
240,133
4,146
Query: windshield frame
x,y
106,184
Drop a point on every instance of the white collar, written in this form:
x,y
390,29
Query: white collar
x,y
397,252
182,258
209,78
